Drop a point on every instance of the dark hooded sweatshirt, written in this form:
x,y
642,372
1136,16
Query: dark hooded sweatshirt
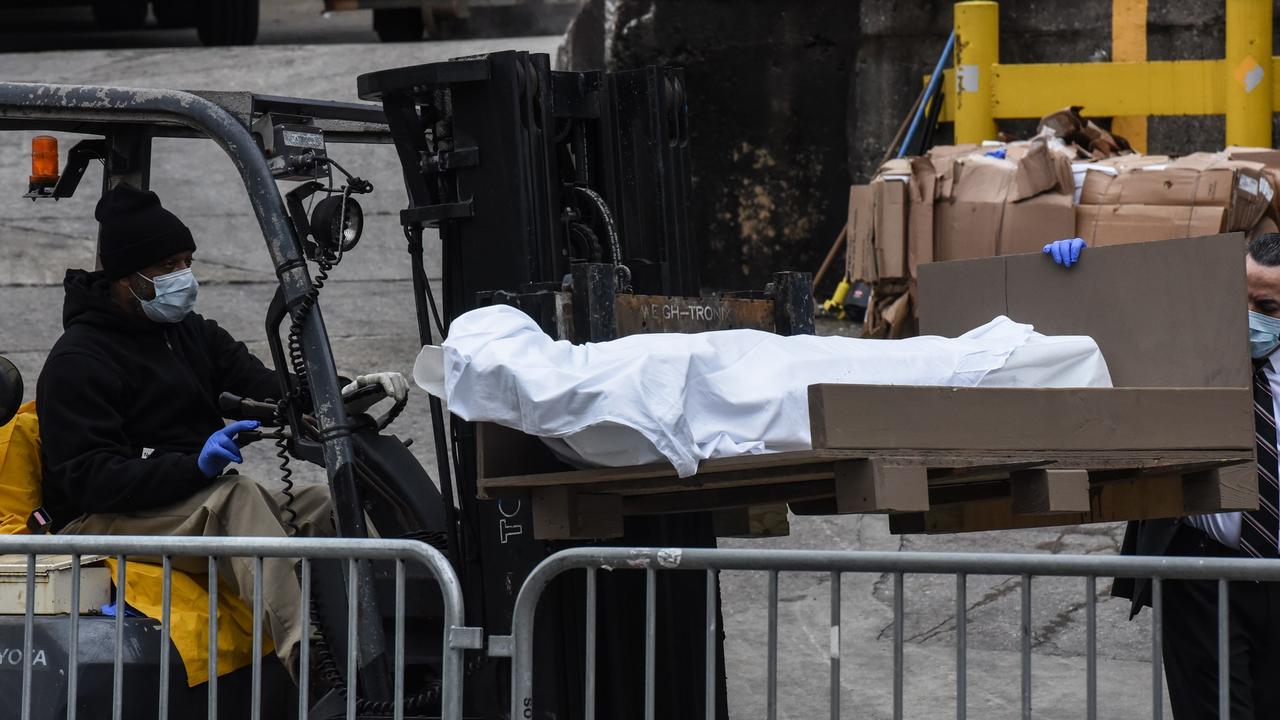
x,y
126,404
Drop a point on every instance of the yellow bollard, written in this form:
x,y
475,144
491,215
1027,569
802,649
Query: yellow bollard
x,y
1248,69
977,26
1129,44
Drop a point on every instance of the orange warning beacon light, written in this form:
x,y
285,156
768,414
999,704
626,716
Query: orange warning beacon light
x,y
44,167
44,159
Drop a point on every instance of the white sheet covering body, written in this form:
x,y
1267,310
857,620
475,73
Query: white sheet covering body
x,y
686,398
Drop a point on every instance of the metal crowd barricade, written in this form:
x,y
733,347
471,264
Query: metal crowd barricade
x,y
519,646
457,639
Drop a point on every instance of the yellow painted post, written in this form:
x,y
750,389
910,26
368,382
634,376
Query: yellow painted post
x,y
977,26
1249,82
1129,44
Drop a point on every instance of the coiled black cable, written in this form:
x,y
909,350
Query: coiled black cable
x,y
286,477
301,393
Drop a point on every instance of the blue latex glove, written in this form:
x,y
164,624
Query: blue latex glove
x,y
220,450
1065,252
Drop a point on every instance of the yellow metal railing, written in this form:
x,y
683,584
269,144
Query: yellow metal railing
x,y
1241,86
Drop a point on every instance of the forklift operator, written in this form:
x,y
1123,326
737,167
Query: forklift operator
x,y
133,438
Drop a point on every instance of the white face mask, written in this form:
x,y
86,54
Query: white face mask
x,y
175,296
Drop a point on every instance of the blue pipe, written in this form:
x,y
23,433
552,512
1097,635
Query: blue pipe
x,y
934,81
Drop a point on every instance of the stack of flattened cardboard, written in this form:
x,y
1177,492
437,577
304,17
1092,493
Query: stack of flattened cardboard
x,y
959,202
955,202
1005,205
1200,194
1270,161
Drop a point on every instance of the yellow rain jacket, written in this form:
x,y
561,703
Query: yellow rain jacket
x,y
19,470
20,476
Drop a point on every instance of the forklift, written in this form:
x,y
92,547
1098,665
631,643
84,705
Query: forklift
x,y
564,194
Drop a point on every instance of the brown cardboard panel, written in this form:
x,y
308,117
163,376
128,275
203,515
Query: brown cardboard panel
x,y
1167,314
967,228
943,158
1039,419
1040,169
1269,157
1029,225
955,297
1174,186
891,227
1106,225
923,189
861,263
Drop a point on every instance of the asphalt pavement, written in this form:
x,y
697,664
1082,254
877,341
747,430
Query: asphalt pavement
x,y
367,307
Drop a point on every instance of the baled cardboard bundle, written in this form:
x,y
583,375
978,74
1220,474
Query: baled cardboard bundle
x,y
1002,206
1200,194
889,190
1270,160
959,202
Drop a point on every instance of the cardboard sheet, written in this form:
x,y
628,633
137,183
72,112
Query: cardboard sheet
x,y
1104,225
1165,314
891,225
860,256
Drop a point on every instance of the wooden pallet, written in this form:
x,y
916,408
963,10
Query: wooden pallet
x,y
1193,454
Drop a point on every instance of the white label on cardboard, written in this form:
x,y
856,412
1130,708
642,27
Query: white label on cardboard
x,y
1248,184
1268,192
967,78
1085,167
896,178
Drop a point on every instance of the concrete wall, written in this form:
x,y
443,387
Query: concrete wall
x,y
791,101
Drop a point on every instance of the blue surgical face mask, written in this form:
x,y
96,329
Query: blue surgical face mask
x,y
1264,334
175,296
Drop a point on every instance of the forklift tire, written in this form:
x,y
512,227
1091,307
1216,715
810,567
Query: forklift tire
x,y
120,14
227,22
398,24
174,13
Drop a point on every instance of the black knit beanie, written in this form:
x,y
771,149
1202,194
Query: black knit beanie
x,y
136,231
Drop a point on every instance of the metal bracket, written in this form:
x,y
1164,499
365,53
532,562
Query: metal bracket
x,y
432,215
501,646
466,638
446,161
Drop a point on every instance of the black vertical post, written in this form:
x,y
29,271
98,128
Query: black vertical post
x,y
793,303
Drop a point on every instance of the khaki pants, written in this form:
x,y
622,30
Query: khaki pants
x,y
235,506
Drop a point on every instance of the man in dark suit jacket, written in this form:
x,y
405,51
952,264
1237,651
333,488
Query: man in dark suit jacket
x,y
1189,616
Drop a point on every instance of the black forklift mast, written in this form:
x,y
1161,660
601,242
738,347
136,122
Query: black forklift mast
x,y
558,193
